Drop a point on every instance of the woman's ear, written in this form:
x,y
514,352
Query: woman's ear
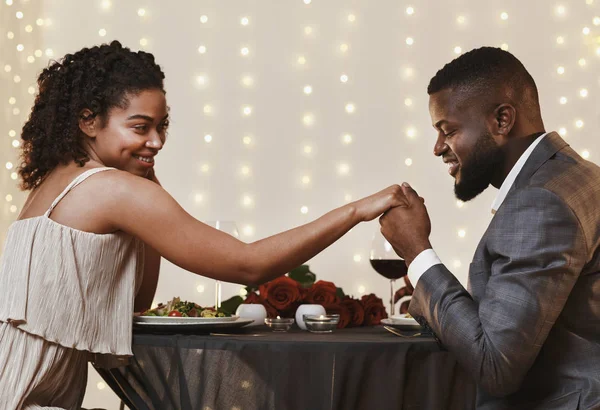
x,y
88,123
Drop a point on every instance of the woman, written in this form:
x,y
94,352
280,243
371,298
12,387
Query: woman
x,y
96,222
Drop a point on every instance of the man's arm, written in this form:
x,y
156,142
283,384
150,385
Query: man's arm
x,y
538,253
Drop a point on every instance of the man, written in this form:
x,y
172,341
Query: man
x,y
528,329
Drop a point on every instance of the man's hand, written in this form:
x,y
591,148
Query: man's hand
x,y
407,228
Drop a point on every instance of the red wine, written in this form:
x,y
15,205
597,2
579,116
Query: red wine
x,y
390,268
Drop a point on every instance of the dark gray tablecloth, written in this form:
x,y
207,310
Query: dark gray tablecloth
x,y
361,368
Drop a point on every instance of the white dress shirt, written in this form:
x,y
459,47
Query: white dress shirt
x,y
429,258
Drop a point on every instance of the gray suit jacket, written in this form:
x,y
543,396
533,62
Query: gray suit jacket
x,y
528,330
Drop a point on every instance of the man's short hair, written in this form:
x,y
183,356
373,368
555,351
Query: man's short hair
x,y
484,71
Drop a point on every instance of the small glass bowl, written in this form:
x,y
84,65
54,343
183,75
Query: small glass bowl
x,y
321,323
279,324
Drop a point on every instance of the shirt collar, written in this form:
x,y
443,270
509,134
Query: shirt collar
x,y
514,172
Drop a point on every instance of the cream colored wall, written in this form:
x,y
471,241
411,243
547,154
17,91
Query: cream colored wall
x,y
262,185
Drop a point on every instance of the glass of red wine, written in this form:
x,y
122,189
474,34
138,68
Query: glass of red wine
x,y
387,263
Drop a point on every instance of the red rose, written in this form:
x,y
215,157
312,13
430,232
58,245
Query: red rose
x,y
252,297
322,293
342,311
356,310
271,311
281,293
374,309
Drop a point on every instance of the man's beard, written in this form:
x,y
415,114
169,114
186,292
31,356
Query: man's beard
x,y
478,170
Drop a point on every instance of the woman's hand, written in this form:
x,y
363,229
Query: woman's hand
x,y
372,206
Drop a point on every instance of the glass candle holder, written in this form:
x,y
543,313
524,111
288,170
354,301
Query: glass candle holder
x,y
321,323
279,324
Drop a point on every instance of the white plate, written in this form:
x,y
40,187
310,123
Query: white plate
x,y
169,320
202,327
401,322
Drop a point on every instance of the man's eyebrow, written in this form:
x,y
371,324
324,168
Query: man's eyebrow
x,y
439,123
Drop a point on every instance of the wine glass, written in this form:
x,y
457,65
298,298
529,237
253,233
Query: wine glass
x,y
230,228
387,263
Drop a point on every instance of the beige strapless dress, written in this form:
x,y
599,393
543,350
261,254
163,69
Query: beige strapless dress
x,y
66,297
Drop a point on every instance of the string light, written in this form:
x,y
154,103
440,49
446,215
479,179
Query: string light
x,y
10,35
307,1
39,22
361,289
408,102
245,170
247,110
102,32
308,119
202,49
207,109
408,162
343,48
208,138
19,15
562,131
357,258
462,233
596,21
583,93
459,203
8,198
7,68
247,140
579,123
560,70
347,138
560,40
504,46
29,28
301,60
351,18
585,31
247,201
456,263
143,42
461,20
203,19
307,149
560,10
350,108
304,209
247,81
343,169
347,197
20,47
141,12
582,62
411,132
504,16
244,21
200,288
308,30
410,41
306,180
106,4
101,386
307,89
585,154
410,10
245,51
248,230
563,100
457,50
344,78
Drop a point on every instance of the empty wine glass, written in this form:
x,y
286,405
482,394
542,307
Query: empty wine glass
x,y
230,228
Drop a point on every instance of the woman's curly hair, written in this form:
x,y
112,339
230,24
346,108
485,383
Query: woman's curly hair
x,y
98,79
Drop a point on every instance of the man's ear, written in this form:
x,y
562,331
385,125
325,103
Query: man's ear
x,y
88,123
505,116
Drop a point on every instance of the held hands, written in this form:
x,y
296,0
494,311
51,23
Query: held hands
x,y
372,206
407,227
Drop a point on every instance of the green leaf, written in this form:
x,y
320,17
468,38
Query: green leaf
x,y
340,293
303,275
230,305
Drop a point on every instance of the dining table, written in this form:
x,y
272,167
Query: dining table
x,y
255,368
